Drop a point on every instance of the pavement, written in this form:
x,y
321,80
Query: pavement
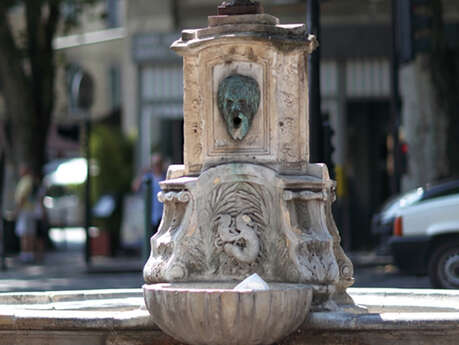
x,y
67,270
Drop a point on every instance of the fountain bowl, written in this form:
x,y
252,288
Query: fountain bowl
x,y
213,313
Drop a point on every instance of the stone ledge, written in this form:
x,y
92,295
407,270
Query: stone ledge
x,y
264,19
285,37
125,309
35,298
415,322
119,316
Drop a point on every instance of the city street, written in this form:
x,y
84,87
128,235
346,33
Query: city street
x,y
388,276
68,271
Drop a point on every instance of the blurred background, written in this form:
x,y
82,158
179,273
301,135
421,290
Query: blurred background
x,y
96,78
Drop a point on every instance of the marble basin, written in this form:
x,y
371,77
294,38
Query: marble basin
x,y
214,314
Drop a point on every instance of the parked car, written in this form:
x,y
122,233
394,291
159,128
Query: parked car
x,y
421,229
62,202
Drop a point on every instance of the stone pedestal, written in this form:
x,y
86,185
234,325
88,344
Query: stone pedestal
x,y
247,200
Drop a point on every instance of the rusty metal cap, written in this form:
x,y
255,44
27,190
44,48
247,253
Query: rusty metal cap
x,y
239,7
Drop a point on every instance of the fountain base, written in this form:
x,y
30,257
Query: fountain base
x,y
108,317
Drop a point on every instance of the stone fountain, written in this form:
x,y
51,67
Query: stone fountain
x,y
247,200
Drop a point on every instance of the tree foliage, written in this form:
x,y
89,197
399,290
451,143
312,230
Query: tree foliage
x,y
112,151
28,72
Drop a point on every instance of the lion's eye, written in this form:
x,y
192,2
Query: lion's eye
x,y
229,103
242,102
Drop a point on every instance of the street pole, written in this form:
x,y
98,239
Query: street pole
x,y
3,244
395,102
2,247
2,218
148,181
315,115
81,93
88,190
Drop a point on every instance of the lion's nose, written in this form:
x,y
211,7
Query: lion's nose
x,y
235,107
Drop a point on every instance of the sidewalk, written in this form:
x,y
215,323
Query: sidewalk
x,y
67,270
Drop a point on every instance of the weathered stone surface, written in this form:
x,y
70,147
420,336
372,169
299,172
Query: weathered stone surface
x,y
214,314
396,316
285,37
374,337
301,337
264,19
276,60
239,7
50,338
238,219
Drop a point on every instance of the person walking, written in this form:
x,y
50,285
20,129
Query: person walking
x,y
24,212
156,174
40,221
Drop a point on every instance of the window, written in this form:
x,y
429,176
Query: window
x,y
441,191
115,86
113,13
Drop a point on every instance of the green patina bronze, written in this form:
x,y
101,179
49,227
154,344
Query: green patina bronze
x,y
238,101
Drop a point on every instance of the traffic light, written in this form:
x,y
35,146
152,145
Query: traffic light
x,y
403,152
71,132
328,147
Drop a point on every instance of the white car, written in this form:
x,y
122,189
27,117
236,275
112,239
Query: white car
x,y
425,235
63,205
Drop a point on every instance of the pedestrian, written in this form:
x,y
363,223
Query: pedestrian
x,y
24,213
156,174
41,221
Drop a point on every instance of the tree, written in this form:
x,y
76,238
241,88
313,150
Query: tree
x,y
444,67
28,72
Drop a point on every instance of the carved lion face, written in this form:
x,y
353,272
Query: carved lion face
x,y
238,101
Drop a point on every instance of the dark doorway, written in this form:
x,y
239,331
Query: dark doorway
x,y
368,128
172,140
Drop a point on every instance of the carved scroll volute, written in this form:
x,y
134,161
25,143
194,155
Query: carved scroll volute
x,y
312,247
163,264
